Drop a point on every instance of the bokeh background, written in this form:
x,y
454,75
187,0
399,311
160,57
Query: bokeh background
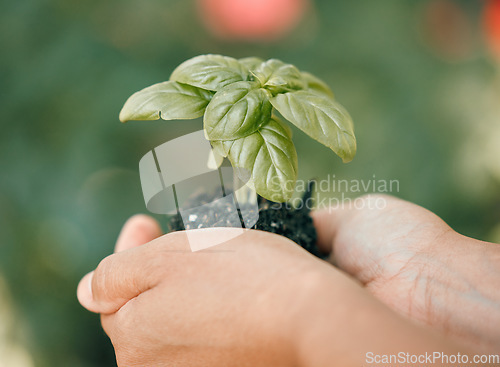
x,y
420,78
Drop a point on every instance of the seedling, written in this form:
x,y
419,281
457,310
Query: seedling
x,y
243,103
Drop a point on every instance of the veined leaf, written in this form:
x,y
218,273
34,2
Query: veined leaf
x,y
211,72
279,77
236,111
284,125
222,147
269,156
251,63
321,118
168,100
315,84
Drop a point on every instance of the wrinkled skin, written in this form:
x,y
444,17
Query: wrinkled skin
x,y
413,261
260,300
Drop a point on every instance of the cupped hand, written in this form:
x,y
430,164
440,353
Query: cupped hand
x,y
162,304
413,261
257,300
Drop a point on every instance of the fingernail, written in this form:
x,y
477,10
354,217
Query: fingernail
x,y
84,291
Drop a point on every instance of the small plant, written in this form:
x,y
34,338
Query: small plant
x,y
238,100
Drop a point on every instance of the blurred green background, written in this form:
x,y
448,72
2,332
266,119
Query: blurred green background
x,y
417,76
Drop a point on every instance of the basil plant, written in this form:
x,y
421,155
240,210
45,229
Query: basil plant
x,y
238,100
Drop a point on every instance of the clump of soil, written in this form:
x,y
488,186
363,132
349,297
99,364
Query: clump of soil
x,y
280,218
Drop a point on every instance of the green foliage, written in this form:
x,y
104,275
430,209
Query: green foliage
x,y
278,77
237,99
268,155
321,118
236,111
167,100
211,72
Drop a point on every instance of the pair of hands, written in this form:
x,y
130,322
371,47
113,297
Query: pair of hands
x,y
260,300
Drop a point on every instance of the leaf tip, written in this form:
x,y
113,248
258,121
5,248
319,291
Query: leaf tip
x,y
347,159
124,116
349,155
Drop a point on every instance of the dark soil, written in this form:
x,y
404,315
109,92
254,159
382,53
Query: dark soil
x,y
280,218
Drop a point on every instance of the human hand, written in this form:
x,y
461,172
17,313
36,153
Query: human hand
x,y
257,300
414,262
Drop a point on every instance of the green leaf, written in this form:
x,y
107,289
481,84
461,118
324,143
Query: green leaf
x,y
168,100
211,72
269,156
321,118
278,77
316,85
221,147
251,63
236,111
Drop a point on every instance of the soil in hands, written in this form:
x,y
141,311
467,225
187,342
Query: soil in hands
x,y
280,218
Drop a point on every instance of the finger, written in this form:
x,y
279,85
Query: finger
x,y
327,223
84,290
124,275
111,326
330,221
137,231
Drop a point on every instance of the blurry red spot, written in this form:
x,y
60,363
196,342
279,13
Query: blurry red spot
x,y
259,20
491,24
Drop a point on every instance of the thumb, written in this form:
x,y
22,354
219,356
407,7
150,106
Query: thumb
x,y
123,276
328,223
137,231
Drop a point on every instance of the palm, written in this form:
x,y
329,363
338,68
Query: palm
x,y
388,250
